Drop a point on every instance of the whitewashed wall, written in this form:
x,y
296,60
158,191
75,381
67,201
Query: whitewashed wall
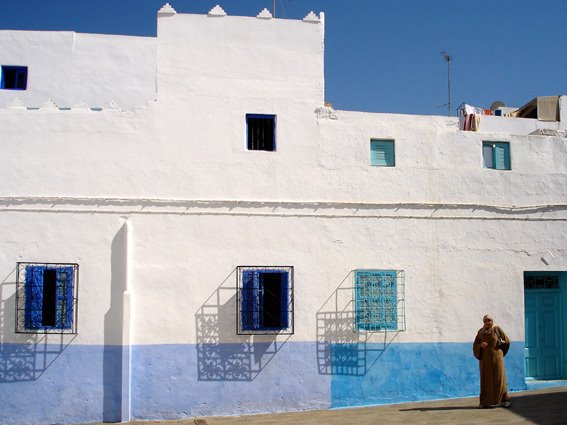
x,y
70,68
198,204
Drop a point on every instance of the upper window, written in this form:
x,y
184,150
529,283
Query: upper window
x,y
14,77
382,153
496,155
379,300
261,132
265,300
46,298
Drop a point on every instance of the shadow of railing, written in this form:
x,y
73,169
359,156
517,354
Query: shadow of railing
x,y
222,355
26,356
342,349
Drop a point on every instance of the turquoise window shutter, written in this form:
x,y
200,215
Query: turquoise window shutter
x,y
496,155
382,153
502,156
376,300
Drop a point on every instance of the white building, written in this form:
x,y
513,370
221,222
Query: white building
x,y
187,230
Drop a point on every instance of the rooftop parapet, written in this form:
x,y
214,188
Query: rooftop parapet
x,y
544,115
217,55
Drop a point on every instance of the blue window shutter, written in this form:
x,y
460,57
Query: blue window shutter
x,y
284,312
34,297
501,156
34,285
250,300
64,297
382,153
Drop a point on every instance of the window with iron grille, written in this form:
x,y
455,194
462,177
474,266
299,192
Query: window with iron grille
x,y
496,155
261,132
46,298
382,153
379,300
541,282
265,300
14,77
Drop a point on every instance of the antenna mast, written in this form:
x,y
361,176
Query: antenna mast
x,y
448,58
274,8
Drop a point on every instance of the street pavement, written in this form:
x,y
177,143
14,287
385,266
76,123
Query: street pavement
x,y
540,407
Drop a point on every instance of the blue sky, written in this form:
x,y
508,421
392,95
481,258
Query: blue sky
x,y
380,55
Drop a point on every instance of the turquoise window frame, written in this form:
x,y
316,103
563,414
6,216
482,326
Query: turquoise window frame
x,y
376,300
496,155
382,153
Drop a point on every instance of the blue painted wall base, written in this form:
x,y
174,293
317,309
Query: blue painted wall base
x,y
45,384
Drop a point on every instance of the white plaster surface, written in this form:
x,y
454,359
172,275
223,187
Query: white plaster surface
x,y
70,67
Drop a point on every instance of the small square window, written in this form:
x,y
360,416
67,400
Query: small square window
x,y
496,155
261,132
46,299
14,77
379,300
382,153
265,300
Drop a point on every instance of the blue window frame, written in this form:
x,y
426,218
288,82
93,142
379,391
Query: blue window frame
x,y
261,132
382,153
46,300
265,300
376,300
496,155
14,77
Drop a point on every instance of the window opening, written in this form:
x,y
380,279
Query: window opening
x,y
261,132
382,153
496,155
14,77
541,282
379,300
265,300
46,298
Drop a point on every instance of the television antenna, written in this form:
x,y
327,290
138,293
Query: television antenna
x,y
447,58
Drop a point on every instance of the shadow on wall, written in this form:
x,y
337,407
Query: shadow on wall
x,y
27,356
222,355
113,325
342,349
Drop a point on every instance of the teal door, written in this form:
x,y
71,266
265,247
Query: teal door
x,y
543,333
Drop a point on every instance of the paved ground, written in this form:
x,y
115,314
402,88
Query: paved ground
x,y
540,407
